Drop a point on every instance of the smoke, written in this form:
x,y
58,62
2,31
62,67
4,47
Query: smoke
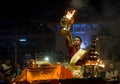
x,y
110,9
77,4
104,8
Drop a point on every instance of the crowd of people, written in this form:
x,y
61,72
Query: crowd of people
x,y
8,72
110,75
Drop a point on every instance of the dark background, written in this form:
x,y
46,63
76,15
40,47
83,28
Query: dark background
x,y
30,19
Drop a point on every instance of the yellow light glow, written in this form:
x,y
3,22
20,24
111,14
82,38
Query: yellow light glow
x,y
69,14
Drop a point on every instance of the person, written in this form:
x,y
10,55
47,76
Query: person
x,y
87,73
6,68
77,56
112,74
100,72
18,69
32,64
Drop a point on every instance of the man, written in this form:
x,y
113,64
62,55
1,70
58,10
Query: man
x,y
112,74
77,56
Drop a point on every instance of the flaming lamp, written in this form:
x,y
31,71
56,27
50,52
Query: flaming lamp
x,y
66,22
93,59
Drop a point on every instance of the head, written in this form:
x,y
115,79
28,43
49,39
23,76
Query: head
x,y
77,41
8,62
17,65
87,70
31,61
99,69
111,66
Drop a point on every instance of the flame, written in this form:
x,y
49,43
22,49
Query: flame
x,y
95,63
70,14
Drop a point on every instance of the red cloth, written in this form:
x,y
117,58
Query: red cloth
x,y
72,51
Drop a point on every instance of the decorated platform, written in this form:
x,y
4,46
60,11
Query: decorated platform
x,y
44,73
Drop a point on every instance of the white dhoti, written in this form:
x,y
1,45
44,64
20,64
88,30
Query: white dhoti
x,y
76,71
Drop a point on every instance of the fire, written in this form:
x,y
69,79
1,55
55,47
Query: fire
x,y
70,14
66,22
98,63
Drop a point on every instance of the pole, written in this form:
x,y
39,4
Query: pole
x,y
93,70
16,46
15,53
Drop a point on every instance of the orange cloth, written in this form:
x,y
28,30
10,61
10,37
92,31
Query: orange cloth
x,y
45,73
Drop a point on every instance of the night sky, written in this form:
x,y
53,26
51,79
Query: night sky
x,y
55,9
32,16
21,13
